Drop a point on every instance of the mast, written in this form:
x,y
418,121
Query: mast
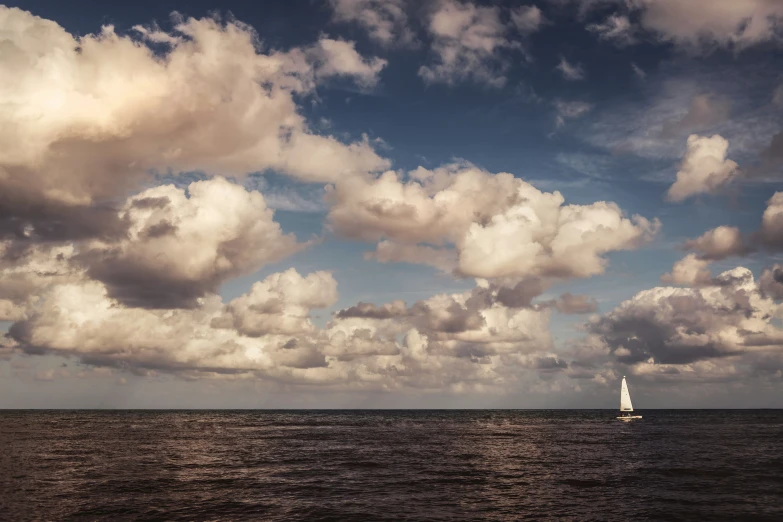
x,y
625,398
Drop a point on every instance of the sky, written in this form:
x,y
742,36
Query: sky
x,y
391,204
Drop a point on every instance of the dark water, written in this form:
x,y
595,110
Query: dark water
x,y
390,465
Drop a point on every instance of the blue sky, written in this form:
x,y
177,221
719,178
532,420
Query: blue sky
x,y
614,129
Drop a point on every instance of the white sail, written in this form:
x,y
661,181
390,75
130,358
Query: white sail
x,y
625,398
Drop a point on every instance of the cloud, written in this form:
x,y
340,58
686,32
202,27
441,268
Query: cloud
x,y
700,25
719,243
339,58
569,303
636,127
570,72
499,225
82,320
26,269
771,232
777,96
282,193
457,342
569,110
264,333
444,259
476,324
772,155
371,311
527,18
97,113
616,28
280,304
705,111
771,282
689,271
181,245
521,294
385,21
679,326
638,71
467,42
704,168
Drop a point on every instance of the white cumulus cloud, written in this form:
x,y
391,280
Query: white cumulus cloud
x,y
704,169
86,118
499,225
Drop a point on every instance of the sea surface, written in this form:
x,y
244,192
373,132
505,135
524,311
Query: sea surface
x,y
391,465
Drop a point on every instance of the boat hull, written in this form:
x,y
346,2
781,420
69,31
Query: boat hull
x,y
629,418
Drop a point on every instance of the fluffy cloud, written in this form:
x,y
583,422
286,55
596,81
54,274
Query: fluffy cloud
x,y
740,23
280,304
384,20
771,232
570,72
371,311
771,282
181,245
704,168
178,246
96,113
499,225
476,325
265,333
521,294
682,325
467,42
81,319
26,270
695,26
452,342
339,58
719,243
724,241
689,271
527,18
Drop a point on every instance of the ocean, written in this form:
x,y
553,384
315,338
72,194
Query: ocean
x,y
391,465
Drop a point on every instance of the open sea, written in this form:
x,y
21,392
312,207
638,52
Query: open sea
x,y
391,465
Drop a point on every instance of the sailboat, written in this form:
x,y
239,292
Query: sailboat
x,y
625,404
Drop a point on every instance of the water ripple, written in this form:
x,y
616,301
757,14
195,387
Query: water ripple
x,y
390,465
